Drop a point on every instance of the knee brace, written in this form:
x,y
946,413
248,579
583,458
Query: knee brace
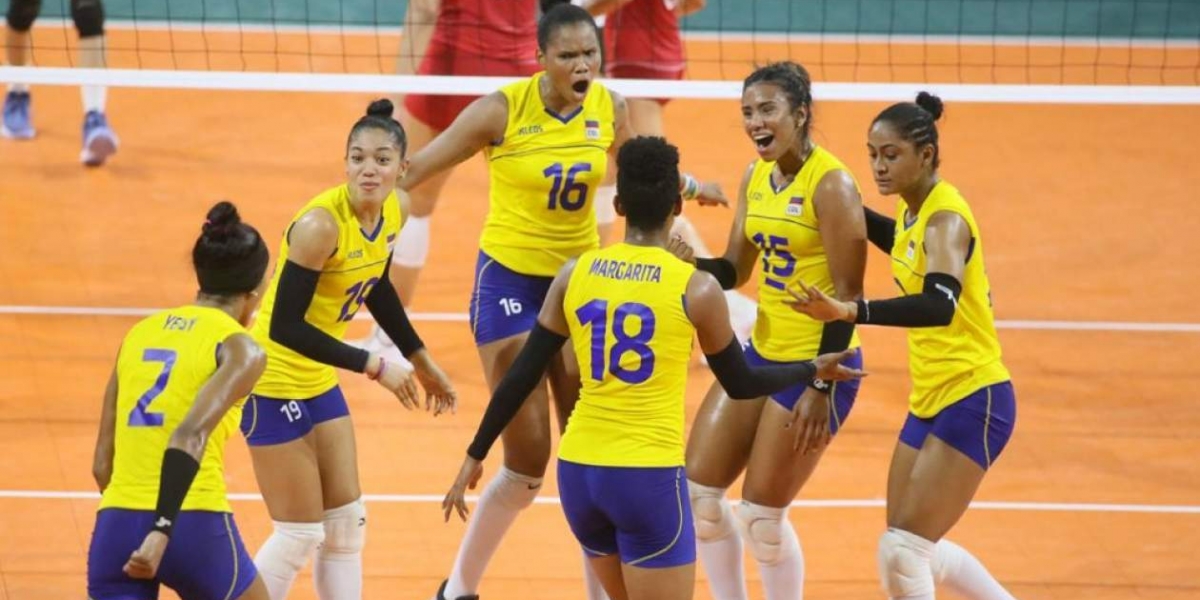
x,y
290,546
763,529
714,520
345,529
513,490
606,213
413,245
88,16
21,14
904,564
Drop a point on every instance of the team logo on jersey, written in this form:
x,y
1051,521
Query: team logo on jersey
x,y
795,206
912,249
592,129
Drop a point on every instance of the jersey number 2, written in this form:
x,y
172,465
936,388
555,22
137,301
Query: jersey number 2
x,y
140,416
595,313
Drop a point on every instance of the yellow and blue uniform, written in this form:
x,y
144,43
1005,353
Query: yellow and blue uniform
x,y
543,179
163,363
783,224
621,458
296,392
960,388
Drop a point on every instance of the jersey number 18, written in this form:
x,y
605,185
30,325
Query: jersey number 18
x,y
595,313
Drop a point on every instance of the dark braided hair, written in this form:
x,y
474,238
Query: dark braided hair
x,y
230,256
793,79
379,116
916,121
647,181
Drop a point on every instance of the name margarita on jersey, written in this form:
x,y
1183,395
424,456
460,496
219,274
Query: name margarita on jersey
x,y
623,271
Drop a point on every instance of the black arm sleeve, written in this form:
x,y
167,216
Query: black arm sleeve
x,y
933,307
385,306
881,230
178,472
288,327
835,337
744,382
524,375
720,268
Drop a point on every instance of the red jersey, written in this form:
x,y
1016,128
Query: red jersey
x,y
644,35
502,30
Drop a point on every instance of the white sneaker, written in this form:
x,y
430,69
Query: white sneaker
x,y
379,343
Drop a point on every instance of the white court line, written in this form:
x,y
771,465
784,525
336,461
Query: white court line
x,y
1173,509
118,311
101,311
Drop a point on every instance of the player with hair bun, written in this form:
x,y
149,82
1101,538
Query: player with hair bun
x,y
171,403
962,407
333,261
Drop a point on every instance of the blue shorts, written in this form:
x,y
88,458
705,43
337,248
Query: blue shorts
x,y
204,561
978,425
844,392
642,514
504,302
270,421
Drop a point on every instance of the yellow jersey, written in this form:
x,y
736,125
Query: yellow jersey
x,y
544,175
783,224
625,306
164,361
347,278
947,363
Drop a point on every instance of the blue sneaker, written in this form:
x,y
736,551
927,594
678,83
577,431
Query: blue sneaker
x,y
99,141
17,124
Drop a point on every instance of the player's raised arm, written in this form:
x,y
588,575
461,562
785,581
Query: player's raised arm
x,y
481,123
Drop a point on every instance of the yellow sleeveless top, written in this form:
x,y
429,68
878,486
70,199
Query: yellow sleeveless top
x,y
783,225
164,361
947,363
544,175
346,280
633,339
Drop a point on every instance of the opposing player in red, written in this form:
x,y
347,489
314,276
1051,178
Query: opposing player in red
x,y
642,40
449,37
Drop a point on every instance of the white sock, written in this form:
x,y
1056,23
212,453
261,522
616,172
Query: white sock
x,y
506,495
337,573
964,574
93,97
776,548
286,552
91,56
720,546
591,582
412,248
18,87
